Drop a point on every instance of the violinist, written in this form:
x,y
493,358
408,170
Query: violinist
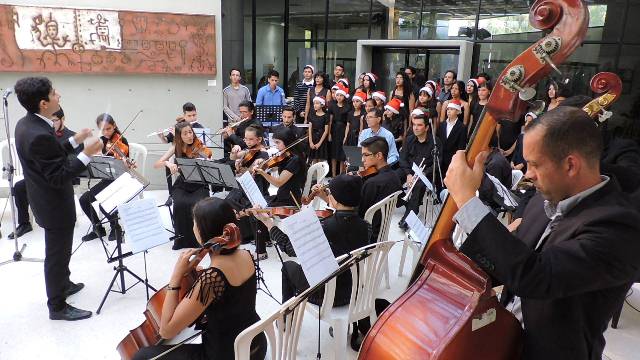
x,y
385,182
575,254
233,135
418,149
225,292
292,173
345,230
189,114
111,138
184,194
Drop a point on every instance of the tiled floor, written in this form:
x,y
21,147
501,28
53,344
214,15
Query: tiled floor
x,y
26,332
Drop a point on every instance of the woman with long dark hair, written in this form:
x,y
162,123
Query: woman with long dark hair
x,y
225,292
321,88
403,91
458,92
111,137
184,194
484,91
369,84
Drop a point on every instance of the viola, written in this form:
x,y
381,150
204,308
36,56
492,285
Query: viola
x,y
119,150
449,310
148,333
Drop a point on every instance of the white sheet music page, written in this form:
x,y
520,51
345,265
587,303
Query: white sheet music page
x,y
142,224
418,230
311,245
251,189
417,171
121,190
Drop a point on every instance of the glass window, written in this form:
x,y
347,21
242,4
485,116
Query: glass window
x,y
604,19
342,53
348,19
406,20
506,20
379,19
269,39
629,72
306,19
302,53
449,20
632,28
248,75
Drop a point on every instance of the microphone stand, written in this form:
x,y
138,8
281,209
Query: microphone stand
x,y
436,163
9,169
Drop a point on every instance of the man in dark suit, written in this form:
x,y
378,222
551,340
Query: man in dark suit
x,y
576,252
452,133
49,169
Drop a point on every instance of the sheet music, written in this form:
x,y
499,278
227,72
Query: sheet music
x,y
251,190
311,245
417,228
142,224
417,171
120,191
503,192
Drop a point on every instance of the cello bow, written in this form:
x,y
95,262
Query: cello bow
x,y
449,310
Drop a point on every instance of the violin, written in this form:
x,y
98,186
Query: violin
x,y
148,333
370,171
119,150
449,310
306,200
197,149
283,212
249,157
275,160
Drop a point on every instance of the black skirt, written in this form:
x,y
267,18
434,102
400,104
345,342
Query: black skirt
x,y
185,196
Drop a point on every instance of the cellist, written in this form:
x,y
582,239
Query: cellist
x,y
111,137
575,254
225,292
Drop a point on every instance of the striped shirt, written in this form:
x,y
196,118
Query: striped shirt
x,y
300,95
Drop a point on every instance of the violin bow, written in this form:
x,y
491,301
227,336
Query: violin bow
x,y
123,131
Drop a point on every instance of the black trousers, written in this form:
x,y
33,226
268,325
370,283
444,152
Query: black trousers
x,y
293,280
182,352
58,243
89,197
262,235
415,200
22,203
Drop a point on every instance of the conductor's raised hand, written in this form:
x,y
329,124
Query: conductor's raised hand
x,y
462,181
82,135
92,147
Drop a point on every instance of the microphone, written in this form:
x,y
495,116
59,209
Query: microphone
x,y
7,92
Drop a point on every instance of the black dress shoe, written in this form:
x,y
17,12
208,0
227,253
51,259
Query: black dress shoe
x,y
73,288
22,229
97,232
70,313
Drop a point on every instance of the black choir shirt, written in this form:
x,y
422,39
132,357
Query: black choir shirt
x,y
196,125
375,188
414,151
296,166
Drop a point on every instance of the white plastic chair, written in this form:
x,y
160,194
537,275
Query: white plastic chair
x,y
4,159
516,176
365,279
386,207
317,171
282,338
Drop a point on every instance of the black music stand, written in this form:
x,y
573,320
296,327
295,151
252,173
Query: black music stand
x,y
207,172
120,269
209,139
269,115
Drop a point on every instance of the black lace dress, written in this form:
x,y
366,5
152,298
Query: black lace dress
x,y
232,311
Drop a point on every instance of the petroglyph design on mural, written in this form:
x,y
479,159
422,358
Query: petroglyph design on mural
x,y
104,41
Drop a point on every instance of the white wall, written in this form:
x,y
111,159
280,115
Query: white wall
x,y
160,96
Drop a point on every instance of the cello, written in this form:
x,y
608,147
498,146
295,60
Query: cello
x,y
449,310
148,333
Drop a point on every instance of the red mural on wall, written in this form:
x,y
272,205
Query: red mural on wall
x,y
63,40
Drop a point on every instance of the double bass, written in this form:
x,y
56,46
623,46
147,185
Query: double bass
x,y
449,310
148,333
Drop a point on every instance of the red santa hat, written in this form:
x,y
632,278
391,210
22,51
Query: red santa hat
x,y
532,114
359,95
372,77
433,84
380,95
344,82
313,70
476,82
341,89
320,99
417,112
394,106
427,89
455,104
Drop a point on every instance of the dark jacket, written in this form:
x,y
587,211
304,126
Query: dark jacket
x,y
48,172
414,151
457,140
571,286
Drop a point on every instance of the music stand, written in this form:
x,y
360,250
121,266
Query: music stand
x,y
122,198
207,138
206,172
269,115
104,168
